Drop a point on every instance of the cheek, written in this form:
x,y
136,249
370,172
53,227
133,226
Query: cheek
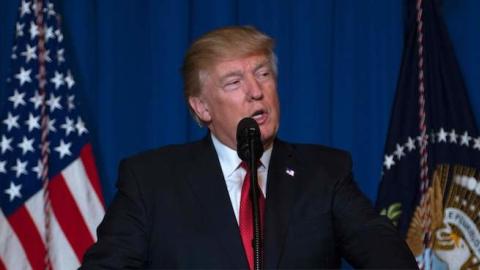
x,y
275,106
273,96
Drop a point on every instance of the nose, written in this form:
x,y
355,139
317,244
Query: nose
x,y
254,88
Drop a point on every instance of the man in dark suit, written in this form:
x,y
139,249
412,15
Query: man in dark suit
x,y
181,206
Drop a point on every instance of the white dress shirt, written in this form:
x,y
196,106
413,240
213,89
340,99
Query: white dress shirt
x,y
234,174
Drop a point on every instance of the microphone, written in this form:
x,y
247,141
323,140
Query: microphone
x,y
249,144
250,149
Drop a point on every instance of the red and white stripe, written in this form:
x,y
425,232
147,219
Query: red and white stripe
x,y
77,209
12,253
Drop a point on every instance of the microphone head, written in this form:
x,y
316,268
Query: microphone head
x,y
248,132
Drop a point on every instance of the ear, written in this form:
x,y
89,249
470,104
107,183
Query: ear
x,y
200,107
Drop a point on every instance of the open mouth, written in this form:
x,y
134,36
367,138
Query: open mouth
x,y
259,116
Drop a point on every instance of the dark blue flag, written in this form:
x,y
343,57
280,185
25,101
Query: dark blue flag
x,y
430,184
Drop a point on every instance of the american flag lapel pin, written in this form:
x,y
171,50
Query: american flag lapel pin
x,y
290,172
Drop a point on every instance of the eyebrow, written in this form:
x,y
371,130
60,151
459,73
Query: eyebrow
x,y
231,74
262,64
240,73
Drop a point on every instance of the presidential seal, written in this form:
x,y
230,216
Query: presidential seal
x,y
452,208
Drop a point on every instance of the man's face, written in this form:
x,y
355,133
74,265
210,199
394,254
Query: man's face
x,y
235,89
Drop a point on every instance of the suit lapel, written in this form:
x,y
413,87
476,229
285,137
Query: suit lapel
x,y
208,184
282,193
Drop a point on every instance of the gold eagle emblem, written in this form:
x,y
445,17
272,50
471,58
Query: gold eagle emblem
x,y
449,218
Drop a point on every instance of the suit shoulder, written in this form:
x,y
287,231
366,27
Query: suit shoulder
x,y
162,156
331,160
322,152
151,169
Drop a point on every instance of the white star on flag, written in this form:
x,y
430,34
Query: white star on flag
x,y
19,29
69,79
80,126
49,34
29,53
465,139
26,145
71,102
388,162
51,125
20,168
453,136
24,8
3,165
33,30
63,149
54,102
442,135
5,144
38,169
422,140
23,76
68,126
476,143
399,152
50,9
11,121
14,56
59,35
14,191
17,99
60,57
410,144
32,122
34,5
57,80
46,55
37,100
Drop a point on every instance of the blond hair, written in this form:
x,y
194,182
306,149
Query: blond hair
x,y
223,43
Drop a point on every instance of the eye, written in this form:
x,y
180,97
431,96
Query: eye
x,y
232,85
263,74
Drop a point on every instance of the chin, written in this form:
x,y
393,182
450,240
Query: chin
x,y
267,141
266,134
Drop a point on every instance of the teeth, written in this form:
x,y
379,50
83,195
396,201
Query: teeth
x,y
257,115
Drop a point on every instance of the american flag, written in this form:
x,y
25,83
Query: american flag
x,y
50,195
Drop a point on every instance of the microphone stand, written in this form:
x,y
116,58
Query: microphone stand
x,y
257,243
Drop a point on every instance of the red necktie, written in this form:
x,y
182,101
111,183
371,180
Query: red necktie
x,y
246,216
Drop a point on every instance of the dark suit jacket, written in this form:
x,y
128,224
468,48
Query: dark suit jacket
x,y
172,210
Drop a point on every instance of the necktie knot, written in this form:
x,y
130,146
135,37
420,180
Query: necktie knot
x,y
244,165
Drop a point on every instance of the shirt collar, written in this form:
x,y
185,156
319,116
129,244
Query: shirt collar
x,y
229,160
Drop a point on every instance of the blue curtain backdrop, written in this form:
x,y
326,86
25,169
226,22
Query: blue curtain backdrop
x,y
338,62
